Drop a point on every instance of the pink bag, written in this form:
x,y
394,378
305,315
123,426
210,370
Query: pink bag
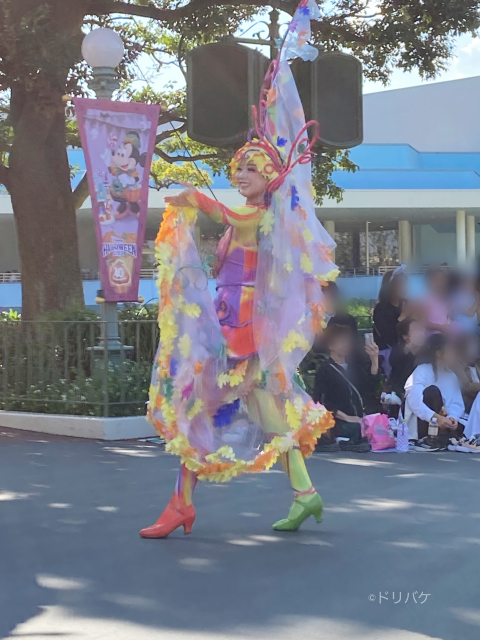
x,y
375,428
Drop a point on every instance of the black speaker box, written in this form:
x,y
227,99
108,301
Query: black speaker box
x,y
330,88
223,82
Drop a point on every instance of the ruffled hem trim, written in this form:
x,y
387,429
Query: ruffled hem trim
x,y
222,465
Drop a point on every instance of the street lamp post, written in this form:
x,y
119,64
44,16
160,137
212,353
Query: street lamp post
x,y
103,50
273,34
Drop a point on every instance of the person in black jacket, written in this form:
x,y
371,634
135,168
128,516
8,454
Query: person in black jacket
x,y
343,384
411,335
388,312
318,352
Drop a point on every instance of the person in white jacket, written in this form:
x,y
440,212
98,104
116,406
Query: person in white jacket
x,y
433,390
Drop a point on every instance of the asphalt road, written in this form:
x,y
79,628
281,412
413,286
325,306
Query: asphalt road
x,y
72,565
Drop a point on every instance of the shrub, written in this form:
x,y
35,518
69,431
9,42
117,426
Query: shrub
x,y
49,366
362,310
122,391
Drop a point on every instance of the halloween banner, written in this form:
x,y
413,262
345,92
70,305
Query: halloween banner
x,y
118,139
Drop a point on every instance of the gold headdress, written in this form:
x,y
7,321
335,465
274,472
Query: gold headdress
x,y
263,155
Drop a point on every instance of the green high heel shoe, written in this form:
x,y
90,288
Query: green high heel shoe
x,y
299,512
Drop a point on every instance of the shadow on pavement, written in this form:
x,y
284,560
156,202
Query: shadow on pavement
x,y
72,563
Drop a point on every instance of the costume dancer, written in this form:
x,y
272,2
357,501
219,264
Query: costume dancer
x,y
225,394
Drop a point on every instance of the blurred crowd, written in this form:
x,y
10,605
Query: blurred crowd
x,y
420,366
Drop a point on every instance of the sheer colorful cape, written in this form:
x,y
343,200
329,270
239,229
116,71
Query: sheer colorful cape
x,y
200,401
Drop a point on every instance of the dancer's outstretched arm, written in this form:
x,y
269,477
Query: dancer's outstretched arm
x,y
237,217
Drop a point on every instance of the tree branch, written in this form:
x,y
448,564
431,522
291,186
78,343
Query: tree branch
x,y
80,193
170,116
4,176
170,132
172,159
328,30
144,11
324,27
103,7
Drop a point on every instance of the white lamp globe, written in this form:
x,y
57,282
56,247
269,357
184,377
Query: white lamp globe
x,y
103,48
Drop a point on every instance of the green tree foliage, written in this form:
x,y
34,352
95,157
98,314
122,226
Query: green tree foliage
x,y
385,34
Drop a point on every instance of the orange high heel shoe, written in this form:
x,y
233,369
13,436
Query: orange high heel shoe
x,y
172,518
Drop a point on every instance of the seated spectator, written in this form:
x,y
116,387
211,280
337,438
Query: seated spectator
x,y
433,391
333,315
466,369
471,439
388,311
411,336
344,385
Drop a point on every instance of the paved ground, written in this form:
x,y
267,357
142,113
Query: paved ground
x,y
72,564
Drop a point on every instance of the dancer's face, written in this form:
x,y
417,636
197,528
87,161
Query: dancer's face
x,y
250,182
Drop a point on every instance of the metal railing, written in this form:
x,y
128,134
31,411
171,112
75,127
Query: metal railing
x,y
10,277
57,368
380,270
54,367
87,274
152,274
360,271
364,324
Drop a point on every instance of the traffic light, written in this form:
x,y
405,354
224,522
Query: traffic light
x,y
330,88
223,81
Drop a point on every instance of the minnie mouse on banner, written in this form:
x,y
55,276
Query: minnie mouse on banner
x,y
118,140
